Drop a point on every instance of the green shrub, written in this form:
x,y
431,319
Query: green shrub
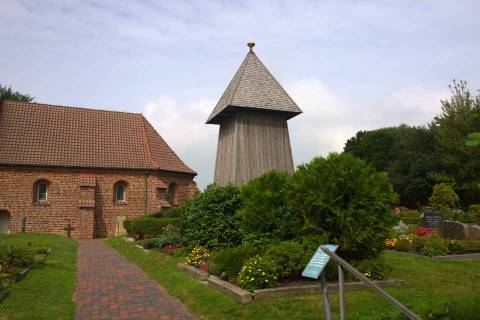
x,y
375,269
289,257
258,273
455,246
159,243
209,218
345,199
405,242
443,196
229,261
167,213
147,225
411,217
471,245
266,210
435,246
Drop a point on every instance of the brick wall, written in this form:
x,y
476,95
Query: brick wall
x,y
84,199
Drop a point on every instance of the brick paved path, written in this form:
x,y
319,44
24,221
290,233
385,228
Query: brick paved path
x,y
110,287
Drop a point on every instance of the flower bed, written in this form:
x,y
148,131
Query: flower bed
x,y
427,242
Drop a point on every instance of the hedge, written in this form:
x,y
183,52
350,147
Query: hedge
x,y
148,225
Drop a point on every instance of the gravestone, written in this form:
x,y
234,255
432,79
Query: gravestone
x,y
24,225
458,231
69,230
431,217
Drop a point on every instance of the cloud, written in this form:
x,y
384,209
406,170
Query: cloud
x,y
328,120
182,125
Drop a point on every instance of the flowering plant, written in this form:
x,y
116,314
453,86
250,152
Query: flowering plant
x,y
391,243
455,245
198,255
257,273
424,231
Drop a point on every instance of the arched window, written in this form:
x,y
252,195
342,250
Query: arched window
x,y
120,188
171,191
41,191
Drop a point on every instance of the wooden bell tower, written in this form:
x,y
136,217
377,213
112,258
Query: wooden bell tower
x,y
252,114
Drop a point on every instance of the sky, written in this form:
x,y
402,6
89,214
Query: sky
x,y
349,65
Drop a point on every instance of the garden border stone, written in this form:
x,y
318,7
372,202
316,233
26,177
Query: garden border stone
x,y
195,272
300,290
236,292
244,296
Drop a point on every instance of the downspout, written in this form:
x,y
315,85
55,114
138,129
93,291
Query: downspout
x,y
146,192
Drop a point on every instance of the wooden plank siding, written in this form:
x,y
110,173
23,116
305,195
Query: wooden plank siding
x,y
251,143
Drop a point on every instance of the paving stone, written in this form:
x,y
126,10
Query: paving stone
x,y
110,287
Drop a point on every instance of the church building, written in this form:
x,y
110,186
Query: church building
x,y
82,172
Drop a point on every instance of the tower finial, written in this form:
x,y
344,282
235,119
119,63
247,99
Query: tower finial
x,y
251,44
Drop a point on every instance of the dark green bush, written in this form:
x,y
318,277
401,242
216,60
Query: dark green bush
x,y
159,243
347,201
209,218
229,261
435,246
471,245
444,196
17,256
146,225
266,211
289,257
410,216
167,213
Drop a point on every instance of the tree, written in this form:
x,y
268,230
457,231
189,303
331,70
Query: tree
x,y
347,201
266,212
473,139
405,153
444,197
9,94
209,218
457,163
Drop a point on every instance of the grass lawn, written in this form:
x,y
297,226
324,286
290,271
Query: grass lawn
x,y
430,285
47,291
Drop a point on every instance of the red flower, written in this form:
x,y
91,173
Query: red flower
x,y
424,231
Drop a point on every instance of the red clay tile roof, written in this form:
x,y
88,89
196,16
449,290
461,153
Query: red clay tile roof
x,y
48,135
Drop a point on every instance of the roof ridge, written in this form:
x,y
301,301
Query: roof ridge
x,y
241,70
68,107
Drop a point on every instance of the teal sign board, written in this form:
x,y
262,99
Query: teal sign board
x,y
318,262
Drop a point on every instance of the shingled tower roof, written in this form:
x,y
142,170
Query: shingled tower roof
x,y
254,87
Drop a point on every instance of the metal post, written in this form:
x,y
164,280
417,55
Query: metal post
x,y
407,312
340,292
326,302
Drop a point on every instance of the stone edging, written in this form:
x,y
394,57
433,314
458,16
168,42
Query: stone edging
x,y
301,290
452,257
244,296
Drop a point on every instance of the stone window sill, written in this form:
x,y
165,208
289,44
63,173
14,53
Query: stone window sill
x,y
121,203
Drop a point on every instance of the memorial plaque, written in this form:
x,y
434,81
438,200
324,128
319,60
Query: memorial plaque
x,y
432,219
318,262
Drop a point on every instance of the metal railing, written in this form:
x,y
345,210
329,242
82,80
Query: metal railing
x,y
342,263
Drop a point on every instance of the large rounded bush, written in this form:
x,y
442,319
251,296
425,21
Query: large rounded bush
x,y
209,218
443,196
266,212
347,201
